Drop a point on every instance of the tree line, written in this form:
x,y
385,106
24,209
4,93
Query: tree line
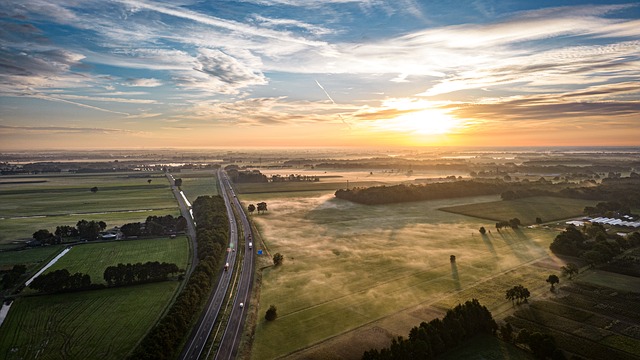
x,y
84,229
592,243
61,280
129,274
406,193
155,226
434,338
212,233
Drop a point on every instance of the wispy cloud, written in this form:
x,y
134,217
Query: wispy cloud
x,y
143,82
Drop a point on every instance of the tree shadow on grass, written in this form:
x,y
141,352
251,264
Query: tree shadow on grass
x,y
454,275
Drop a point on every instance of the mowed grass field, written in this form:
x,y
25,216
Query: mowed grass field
x,y
198,183
93,259
348,266
527,210
64,199
101,324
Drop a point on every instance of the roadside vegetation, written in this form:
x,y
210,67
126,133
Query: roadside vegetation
x,y
164,339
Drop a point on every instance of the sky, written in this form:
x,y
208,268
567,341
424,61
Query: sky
x,y
142,74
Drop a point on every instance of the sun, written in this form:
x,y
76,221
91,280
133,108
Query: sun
x,y
421,122
424,122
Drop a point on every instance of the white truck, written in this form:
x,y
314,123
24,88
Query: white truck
x,y
226,266
250,245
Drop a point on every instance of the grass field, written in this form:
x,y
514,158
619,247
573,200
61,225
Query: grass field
x,y
101,324
348,265
93,259
196,184
527,210
30,257
64,199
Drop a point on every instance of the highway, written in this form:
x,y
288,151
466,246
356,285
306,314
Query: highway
x,y
195,344
231,339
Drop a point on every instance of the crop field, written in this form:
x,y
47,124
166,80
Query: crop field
x,y
100,324
590,321
527,209
93,259
349,266
65,199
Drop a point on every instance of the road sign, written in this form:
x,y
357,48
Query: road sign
x,y
259,252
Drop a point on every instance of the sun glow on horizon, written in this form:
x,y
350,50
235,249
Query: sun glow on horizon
x,y
417,118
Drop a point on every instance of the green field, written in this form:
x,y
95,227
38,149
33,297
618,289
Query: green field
x,y
93,259
100,324
32,257
527,210
65,199
196,184
348,265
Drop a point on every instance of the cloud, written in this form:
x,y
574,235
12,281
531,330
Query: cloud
x,y
143,82
265,111
14,130
593,106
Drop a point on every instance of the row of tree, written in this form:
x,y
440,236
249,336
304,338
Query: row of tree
x,y
262,206
512,223
163,341
129,274
406,193
88,230
61,280
431,339
155,226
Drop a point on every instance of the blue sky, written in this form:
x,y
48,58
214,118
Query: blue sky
x,y
318,73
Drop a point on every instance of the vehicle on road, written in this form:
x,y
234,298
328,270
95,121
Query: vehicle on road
x,y
226,266
241,305
250,245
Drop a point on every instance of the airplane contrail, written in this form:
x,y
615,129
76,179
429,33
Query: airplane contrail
x,y
334,103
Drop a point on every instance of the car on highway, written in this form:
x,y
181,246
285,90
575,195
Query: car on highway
x,y
241,305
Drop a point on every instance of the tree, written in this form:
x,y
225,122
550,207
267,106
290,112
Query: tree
x,y
251,208
570,269
43,236
177,182
518,293
483,230
149,181
553,279
94,189
507,332
262,206
278,259
538,220
272,313
88,230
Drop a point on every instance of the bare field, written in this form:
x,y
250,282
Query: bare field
x,y
349,265
527,210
